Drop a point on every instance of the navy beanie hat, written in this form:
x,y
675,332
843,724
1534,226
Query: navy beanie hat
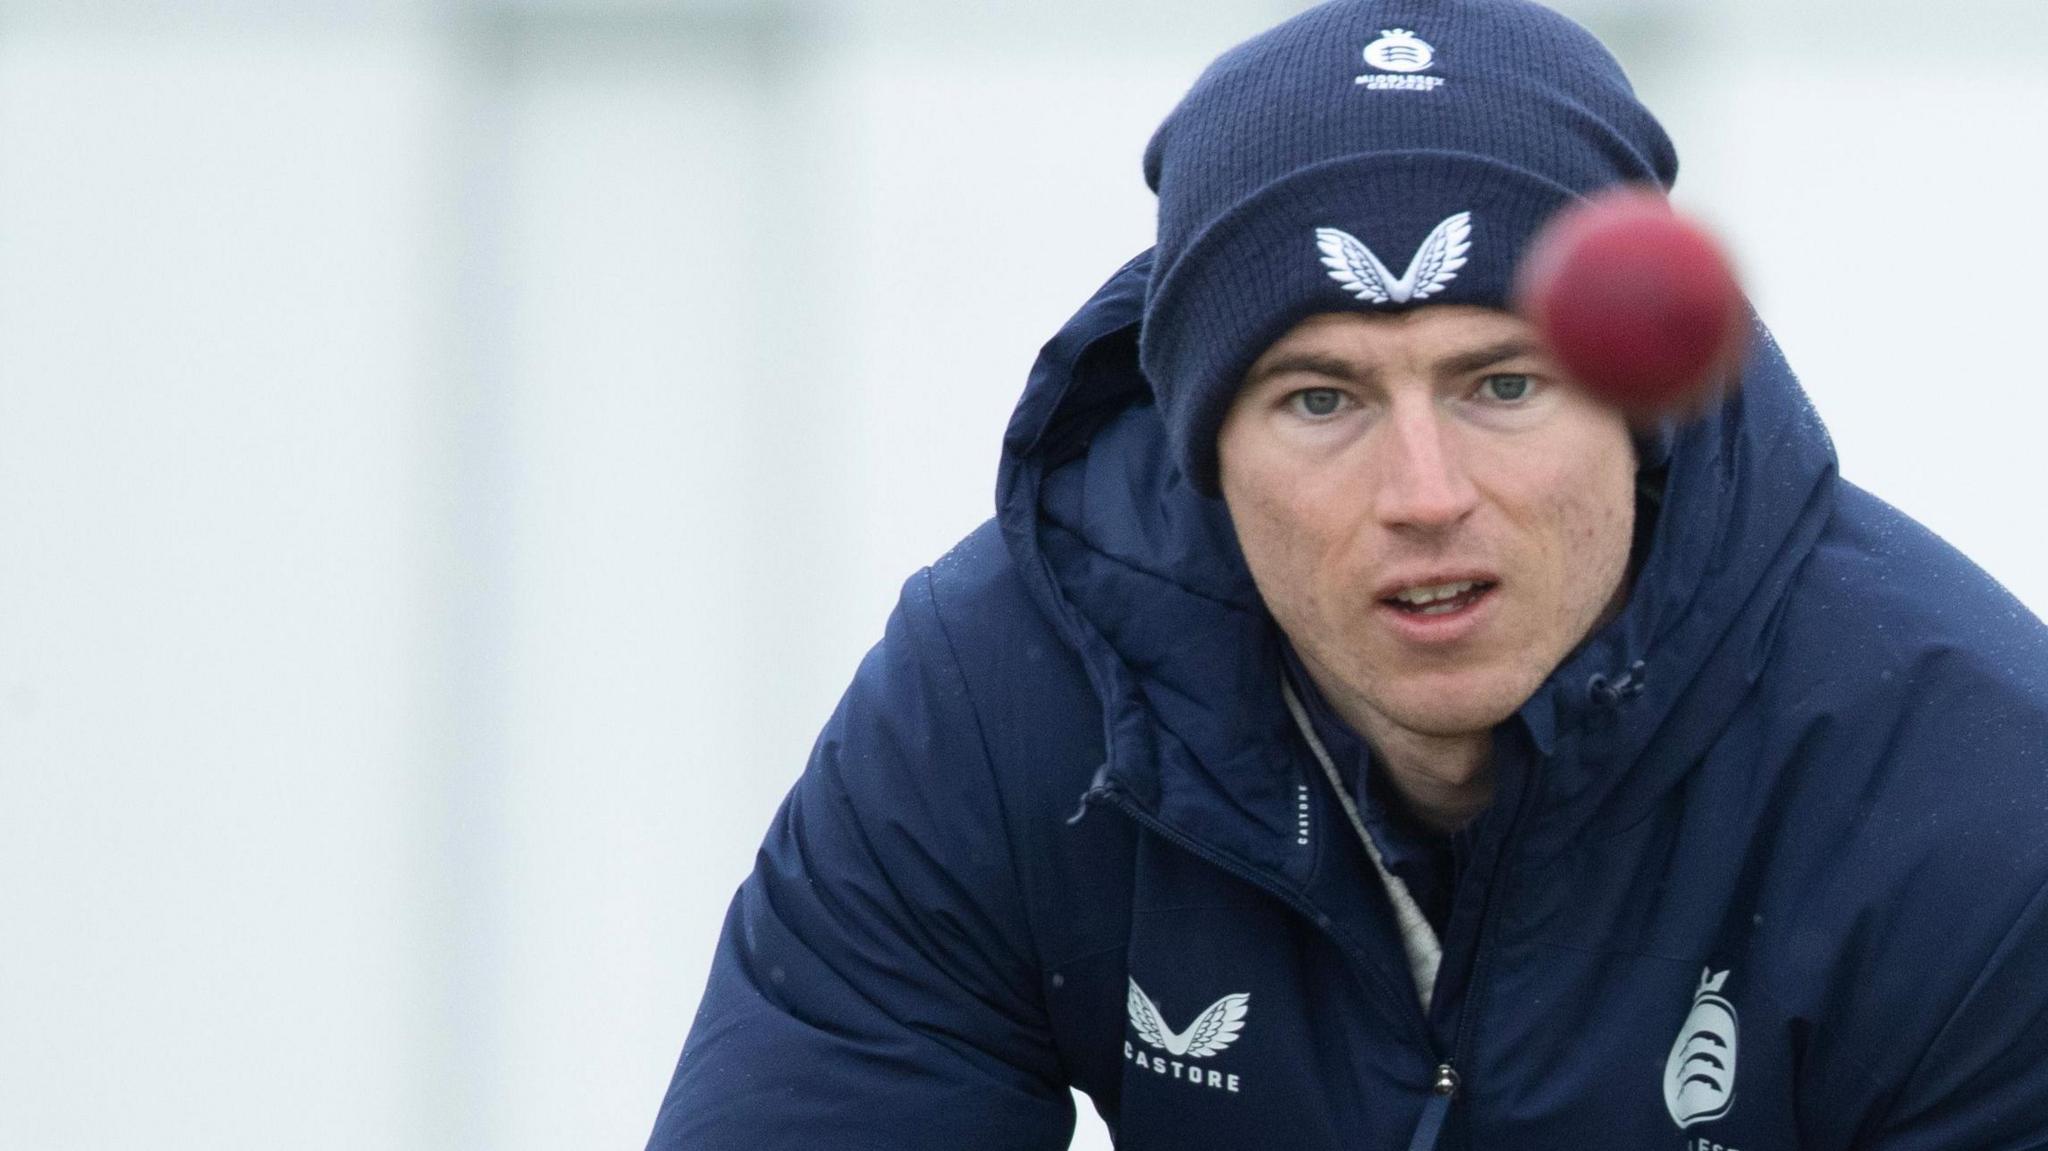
x,y
1368,155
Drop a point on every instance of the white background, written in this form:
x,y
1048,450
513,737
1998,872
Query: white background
x,y
453,455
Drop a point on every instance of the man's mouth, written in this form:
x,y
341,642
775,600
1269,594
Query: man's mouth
x,y
1438,599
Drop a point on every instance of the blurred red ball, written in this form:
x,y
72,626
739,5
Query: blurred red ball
x,y
1639,304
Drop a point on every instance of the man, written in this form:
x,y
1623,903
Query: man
x,y
1457,765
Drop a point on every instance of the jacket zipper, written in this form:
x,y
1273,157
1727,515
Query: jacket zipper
x,y
1446,1081
1444,1087
1446,1078
1461,1045
1434,1112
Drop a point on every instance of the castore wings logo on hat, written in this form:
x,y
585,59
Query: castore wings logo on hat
x,y
1360,272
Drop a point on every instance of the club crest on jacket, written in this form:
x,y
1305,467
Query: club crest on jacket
x,y
1699,1077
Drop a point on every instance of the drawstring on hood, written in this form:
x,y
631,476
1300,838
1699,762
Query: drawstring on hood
x,y
1605,692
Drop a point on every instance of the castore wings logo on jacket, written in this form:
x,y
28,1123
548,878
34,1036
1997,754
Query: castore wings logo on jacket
x,y
1215,1029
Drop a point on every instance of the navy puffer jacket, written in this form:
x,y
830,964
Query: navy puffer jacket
x,y
1764,870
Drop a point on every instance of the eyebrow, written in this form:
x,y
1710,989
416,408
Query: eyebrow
x,y
1485,356
1314,364
1350,371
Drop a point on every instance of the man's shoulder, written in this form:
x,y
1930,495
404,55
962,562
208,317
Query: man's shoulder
x,y
1040,721
978,591
992,624
1032,698
1916,688
1904,702
1883,598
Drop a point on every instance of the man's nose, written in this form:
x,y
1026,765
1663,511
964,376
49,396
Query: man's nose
x,y
1424,483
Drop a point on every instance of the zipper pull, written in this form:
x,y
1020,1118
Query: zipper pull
x,y
1441,1092
1097,788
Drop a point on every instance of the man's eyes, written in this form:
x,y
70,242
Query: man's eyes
x,y
1506,388
1501,388
1316,403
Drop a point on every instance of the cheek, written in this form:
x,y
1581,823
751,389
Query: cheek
x,y
1272,547
1594,517
1594,511
1295,556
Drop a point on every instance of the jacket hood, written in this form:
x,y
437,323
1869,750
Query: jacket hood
x,y
1143,576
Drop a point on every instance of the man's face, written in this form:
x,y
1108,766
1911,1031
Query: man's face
x,y
1371,461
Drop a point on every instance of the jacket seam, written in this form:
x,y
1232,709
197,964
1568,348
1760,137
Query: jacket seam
x,y
1969,995
1132,567
955,670
1092,953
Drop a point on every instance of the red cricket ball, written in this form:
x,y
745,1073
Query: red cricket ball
x,y
1639,304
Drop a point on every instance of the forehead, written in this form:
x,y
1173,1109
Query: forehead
x,y
1428,333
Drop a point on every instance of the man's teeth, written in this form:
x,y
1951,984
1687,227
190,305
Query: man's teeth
x,y
1423,597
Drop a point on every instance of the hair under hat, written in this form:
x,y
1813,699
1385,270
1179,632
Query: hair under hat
x,y
1368,155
